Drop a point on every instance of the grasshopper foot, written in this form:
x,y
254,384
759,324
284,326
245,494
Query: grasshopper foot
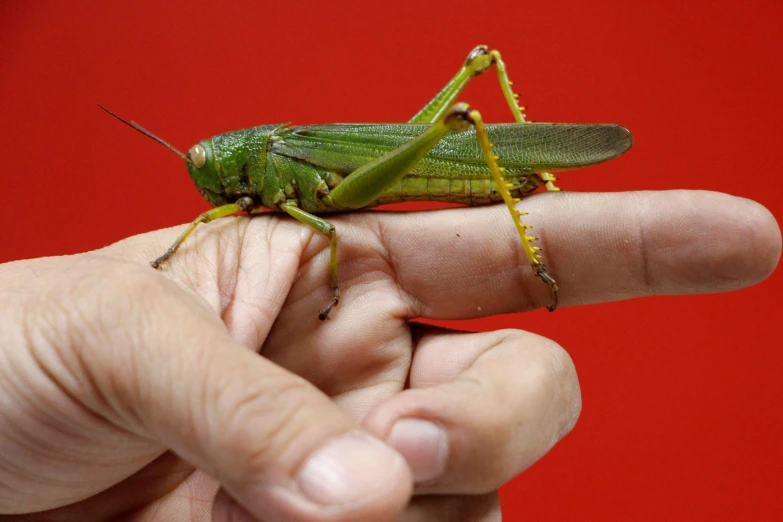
x,y
541,273
162,259
323,315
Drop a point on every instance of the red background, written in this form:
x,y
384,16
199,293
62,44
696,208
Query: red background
x,y
682,395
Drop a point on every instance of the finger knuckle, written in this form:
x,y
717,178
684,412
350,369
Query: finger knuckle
x,y
263,425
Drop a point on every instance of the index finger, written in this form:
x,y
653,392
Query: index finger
x,y
464,263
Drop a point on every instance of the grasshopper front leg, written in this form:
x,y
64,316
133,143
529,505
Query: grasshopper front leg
x,y
240,205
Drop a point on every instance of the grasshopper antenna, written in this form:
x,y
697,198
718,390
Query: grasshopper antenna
x,y
147,133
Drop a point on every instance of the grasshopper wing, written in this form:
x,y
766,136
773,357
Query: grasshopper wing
x,y
537,147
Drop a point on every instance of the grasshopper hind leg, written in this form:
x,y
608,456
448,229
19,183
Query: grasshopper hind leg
x,y
532,252
365,184
549,179
478,62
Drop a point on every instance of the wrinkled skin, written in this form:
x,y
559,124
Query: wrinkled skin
x,y
138,395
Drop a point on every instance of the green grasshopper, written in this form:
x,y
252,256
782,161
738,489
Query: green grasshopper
x,y
444,153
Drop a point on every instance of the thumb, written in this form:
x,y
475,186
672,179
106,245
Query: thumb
x,y
281,448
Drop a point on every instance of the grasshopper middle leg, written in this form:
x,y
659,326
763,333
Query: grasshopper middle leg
x,y
327,229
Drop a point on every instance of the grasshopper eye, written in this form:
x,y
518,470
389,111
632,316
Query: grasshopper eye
x,y
197,155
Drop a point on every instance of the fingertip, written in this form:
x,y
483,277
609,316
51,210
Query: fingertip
x,y
763,239
351,478
702,241
471,431
352,468
746,240
423,444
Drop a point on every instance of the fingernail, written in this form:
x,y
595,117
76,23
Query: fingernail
x,y
424,445
349,468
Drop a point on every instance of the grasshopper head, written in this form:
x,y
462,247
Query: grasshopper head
x,y
203,169
230,165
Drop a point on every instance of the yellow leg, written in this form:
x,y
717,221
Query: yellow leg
x,y
478,62
550,181
505,86
327,229
240,205
531,251
516,109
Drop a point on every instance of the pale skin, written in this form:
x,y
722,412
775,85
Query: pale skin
x,y
139,395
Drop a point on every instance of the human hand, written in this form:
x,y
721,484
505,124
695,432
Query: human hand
x,y
130,393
